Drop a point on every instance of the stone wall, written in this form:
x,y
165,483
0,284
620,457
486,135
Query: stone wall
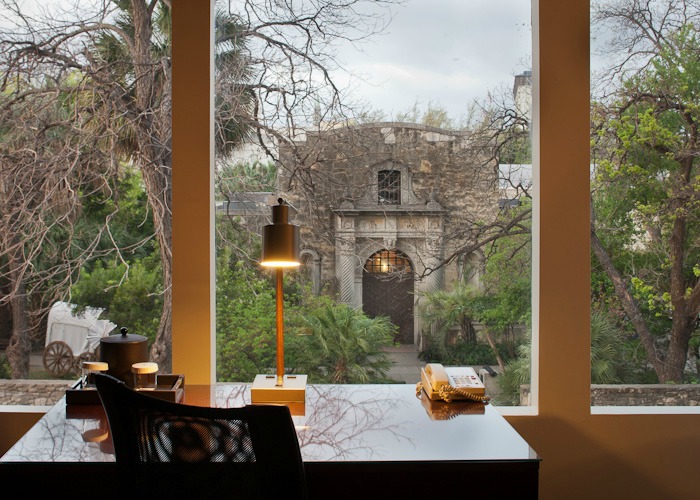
x,y
337,168
33,392
636,395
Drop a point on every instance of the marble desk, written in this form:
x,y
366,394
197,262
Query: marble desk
x,y
357,441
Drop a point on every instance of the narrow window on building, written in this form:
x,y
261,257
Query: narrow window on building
x,y
389,187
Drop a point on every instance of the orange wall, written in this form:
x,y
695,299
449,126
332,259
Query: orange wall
x,y
193,262
13,426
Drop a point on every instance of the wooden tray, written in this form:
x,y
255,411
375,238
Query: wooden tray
x,y
170,387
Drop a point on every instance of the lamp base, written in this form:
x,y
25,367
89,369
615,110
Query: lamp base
x,y
264,390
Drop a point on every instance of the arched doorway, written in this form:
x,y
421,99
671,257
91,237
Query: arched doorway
x,y
387,290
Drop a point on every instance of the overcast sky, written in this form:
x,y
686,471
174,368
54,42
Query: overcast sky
x,y
448,52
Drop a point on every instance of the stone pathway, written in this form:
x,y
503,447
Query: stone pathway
x,y
407,365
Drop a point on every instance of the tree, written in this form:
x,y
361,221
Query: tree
x,y
645,218
433,115
106,75
289,48
129,298
447,309
54,183
245,321
502,302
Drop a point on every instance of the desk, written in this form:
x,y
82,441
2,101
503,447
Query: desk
x,y
357,441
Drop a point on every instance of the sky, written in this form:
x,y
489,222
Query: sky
x,y
444,52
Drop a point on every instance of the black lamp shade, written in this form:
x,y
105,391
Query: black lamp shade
x,y
280,243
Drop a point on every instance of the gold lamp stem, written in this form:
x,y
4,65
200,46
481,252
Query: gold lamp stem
x,y
280,329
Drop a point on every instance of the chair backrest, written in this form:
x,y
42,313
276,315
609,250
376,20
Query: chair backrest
x,y
163,447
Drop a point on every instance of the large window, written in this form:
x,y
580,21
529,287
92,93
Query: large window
x,y
404,149
85,165
644,184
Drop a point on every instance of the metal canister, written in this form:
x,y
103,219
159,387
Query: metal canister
x,y
121,351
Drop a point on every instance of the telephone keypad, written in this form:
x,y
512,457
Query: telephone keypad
x,y
464,380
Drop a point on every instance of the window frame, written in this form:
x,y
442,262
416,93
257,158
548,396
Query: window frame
x,y
561,330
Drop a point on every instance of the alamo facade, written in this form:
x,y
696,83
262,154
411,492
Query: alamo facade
x,y
384,210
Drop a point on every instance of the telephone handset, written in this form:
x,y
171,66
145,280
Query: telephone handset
x,y
451,383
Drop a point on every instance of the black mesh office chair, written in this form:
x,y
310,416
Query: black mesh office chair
x,y
165,448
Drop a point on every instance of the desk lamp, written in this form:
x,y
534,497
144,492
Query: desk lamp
x,y
280,249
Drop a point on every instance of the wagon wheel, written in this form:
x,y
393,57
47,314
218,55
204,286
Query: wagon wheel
x,y
78,360
58,358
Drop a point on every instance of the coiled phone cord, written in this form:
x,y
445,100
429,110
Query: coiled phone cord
x,y
446,392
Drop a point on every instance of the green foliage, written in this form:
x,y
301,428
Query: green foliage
x,y
125,206
434,116
608,364
5,370
606,347
131,297
329,342
461,353
516,373
245,177
644,197
516,149
245,322
342,345
128,288
503,303
447,309
233,100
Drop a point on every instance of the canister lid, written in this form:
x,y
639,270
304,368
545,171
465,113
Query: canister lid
x,y
123,338
144,368
96,366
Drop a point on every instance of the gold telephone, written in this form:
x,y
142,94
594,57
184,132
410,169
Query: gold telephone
x,y
451,383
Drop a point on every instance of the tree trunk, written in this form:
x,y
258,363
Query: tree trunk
x,y
628,304
468,330
155,159
20,345
671,366
499,359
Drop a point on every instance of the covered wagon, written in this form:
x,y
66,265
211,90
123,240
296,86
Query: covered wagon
x,y
72,337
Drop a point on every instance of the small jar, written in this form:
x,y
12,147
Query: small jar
x,y
144,375
89,369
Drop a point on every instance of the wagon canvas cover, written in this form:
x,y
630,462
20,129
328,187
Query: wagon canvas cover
x,y
81,331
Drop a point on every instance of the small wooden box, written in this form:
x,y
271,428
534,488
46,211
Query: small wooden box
x,y
169,387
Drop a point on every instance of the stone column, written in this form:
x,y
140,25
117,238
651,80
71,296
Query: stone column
x,y
345,259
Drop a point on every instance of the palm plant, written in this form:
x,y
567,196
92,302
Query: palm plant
x,y
606,349
344,346
450,308
606,346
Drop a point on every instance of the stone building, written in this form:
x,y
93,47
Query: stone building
x,y
384,209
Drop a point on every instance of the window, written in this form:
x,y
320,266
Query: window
x,y
388,261
644,318
398,201
389,187
91,206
